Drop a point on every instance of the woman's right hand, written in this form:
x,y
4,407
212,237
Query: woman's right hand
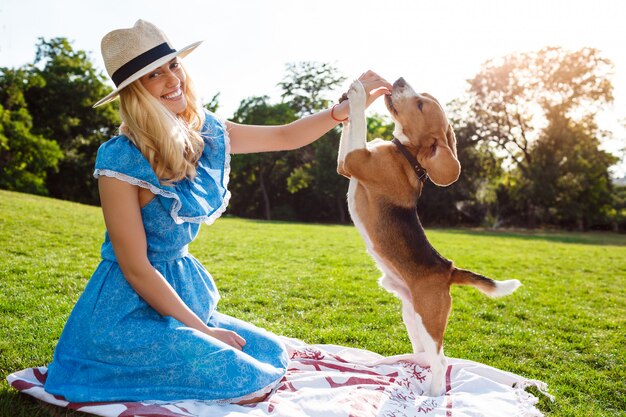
x,y
227,336
122,215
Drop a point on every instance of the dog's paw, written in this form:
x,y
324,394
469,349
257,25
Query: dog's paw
x,y
356,95
438,390
438,369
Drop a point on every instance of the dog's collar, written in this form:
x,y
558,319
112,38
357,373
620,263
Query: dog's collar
x,y
422,175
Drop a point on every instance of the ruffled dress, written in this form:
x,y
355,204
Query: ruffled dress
x,y
115,347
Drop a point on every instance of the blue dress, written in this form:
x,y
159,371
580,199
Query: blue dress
x,y
115,347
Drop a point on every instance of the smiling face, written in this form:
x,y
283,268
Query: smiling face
x,y
167,84
421,121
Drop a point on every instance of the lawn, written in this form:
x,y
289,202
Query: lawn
x,y
564,326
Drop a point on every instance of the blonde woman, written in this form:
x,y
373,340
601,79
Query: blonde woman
x,y
146,326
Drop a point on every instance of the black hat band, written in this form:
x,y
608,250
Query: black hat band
x,y
140,62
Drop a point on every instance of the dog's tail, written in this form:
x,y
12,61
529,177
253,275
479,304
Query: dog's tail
x,y
487,285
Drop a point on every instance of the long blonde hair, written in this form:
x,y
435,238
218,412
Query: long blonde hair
x,y
171,143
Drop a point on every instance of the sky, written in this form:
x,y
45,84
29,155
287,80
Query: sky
x,y
435,45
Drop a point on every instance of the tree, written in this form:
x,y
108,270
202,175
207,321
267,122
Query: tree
x,y
258,181
379,126
61,109
518,101
306,84
470,199
569,182
320,194
213,104
301,184
511,97
617,214
25,157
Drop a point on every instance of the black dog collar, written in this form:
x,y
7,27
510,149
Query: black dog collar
x,y
422,175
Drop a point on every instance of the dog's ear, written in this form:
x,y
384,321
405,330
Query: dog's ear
x,y
431,97
451,139
341,169
441,162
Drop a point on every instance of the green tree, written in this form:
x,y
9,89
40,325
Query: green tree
x,y
258,181
301,184
61,109
471,199
379,126
306,85
617,214
213,104
320,192
25,157
511,97
568,182
515,104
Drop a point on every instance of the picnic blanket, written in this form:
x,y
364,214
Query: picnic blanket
x,y
336,381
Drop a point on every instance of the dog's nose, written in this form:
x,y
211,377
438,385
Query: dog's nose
x,y
399,83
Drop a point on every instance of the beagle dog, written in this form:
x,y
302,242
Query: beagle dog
x,y
386,179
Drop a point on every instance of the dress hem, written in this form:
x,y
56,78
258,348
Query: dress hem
x,y
267,389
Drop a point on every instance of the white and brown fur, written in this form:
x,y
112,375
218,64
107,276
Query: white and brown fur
x,y
382,199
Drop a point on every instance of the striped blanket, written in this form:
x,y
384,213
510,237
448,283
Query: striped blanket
x,y
335,381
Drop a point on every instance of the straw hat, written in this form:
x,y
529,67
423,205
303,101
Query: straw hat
x,y
131,53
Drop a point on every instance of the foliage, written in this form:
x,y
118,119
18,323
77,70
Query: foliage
x,y
50,131
61,108
258,180
469,200
305,88
528,142
318,284
539,108
326,199
26,157
617,212
512,97
299,184
379,126
213,104
568,182
306,84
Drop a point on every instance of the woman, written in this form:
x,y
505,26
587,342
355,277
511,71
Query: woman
x,y
146,326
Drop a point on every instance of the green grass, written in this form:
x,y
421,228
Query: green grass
x,y
564,326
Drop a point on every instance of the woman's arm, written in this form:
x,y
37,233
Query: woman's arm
x,y
122,215
249,138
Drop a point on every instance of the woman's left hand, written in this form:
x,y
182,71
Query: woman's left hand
x,y
250,139
375,86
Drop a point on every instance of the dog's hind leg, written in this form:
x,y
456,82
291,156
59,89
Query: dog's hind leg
x,y
436,360
410,321
432,303
400,290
